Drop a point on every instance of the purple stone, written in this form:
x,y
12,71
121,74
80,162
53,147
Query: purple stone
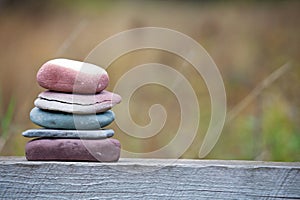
x,y
105,150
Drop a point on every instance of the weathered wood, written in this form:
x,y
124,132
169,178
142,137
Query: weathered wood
x,y
149,179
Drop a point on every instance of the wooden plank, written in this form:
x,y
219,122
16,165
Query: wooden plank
x,y
149,179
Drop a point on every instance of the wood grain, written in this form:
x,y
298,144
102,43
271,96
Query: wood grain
x,y
149,179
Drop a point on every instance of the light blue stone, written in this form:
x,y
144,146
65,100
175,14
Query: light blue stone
x,y
61,120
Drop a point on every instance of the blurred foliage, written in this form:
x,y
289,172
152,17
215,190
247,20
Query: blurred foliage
x,y
6,117
281,136
248,40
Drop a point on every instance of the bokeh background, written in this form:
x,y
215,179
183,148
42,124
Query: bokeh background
x,y
251,42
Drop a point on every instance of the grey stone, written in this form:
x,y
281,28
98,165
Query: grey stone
x,y
60,120
83,134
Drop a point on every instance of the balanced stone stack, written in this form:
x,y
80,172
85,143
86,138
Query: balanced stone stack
x,y
73,112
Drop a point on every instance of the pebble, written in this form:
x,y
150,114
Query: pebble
x,y
60,120
77,103
83,134
106,150
72,76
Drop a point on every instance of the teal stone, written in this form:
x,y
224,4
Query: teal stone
x,y
61,120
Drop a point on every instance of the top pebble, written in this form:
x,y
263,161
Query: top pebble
x,y
64,75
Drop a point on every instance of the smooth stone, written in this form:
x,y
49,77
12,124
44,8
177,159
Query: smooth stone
x,y
106,150
60,120
72,76
77,103
83,134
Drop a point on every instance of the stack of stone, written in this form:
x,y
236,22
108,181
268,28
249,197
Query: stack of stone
x,y
73,112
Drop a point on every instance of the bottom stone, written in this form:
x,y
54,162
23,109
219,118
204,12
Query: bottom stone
x,y
106,150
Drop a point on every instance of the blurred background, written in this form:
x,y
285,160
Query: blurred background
x,y
250,41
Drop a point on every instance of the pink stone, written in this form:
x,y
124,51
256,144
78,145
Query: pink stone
x,y
72,76
77,103
102,150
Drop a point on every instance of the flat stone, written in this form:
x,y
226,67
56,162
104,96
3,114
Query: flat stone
x,y
61,120
83,134
106,150
77,103
72,76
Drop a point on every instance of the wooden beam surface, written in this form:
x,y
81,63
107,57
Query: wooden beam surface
x,y
149,179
